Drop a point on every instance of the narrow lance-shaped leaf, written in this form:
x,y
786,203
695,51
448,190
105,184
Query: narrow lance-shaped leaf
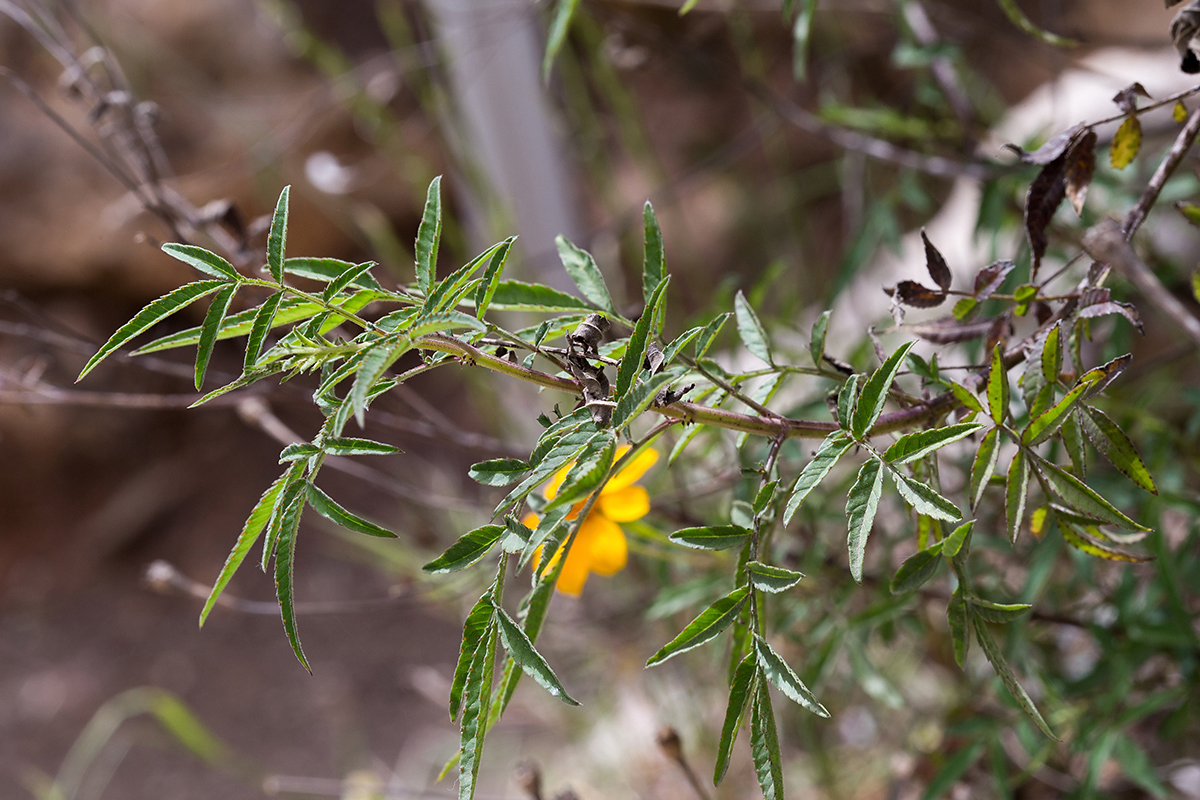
x,y
1047,423
925,499
1082,497
470,548
585,273
346,279
588,471
997,386
152,314
635,350
874,393
1126,143
958,542
741,690
764,745
203,260
521,296
801,35
956,615
935,263
919,444
374,363
768,578
529,659
328,508
491,277
1114,445
709,334
1052,354
1080,166
984,465
750,329
861,506
564,12
429,234
1092,546
784,678
1000,664
1000,613
285,561
831,450
1016,487
711,621
712,537
259,516
847,397
478,624
263,318
654,263
351,446
916,570
277,237
477,695
208,331
816,342
498,471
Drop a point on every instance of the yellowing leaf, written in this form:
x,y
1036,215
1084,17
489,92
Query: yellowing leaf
x,y
1180,111
1126,143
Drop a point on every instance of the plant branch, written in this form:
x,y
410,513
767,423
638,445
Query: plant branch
x,y
1179,149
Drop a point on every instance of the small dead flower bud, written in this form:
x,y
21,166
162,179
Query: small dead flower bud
x,y
668,740
587,336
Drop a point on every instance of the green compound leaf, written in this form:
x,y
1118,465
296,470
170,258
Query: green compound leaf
x,y
285,560
654,262
913,446
711,621
999,613
984,465
784,679
277,237
205,261
917,569
635,351
529,659
1015,489
875,391
469,549
714,537
1083,498
374,363
956,615
1092,545
208,331
588,471
816,342
966,397
264,317
564,12
741,689
768,578
1001,665
831,450
586,274
498,471
328,508
639,398
925,500
259,516
1114,445
152,314
298,451
997,386
429,233
750,329
764,745
479,623
486,291
861,506
293,490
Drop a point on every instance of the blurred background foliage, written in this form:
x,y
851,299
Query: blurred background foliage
x,y
756,134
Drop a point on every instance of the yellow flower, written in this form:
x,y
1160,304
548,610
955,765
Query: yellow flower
x,y
600,543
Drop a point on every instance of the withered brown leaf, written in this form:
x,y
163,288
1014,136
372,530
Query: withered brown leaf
x,y
948,330
936,264
916,295
991,277
1081,164
1184,28
1126,99
1052,149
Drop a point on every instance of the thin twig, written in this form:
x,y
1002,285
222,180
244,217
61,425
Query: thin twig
x,y
1183,143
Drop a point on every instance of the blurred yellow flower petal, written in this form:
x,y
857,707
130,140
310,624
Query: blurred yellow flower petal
x,y
607,552
624,505
633,470
600,544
